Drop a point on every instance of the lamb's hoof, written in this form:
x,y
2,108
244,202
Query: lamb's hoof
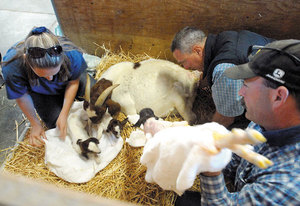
x,y
256,136
263,162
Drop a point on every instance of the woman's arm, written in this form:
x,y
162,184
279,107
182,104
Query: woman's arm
x,y
37,131
70,94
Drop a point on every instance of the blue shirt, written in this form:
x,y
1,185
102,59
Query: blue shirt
x,y
276,185
17,83
225,92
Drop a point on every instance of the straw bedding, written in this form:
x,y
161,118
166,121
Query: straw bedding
x,y
123,178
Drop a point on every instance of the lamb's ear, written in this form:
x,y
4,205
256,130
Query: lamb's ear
x,y
105,94
87,88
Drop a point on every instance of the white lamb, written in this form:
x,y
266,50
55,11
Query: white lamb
x,y
174,155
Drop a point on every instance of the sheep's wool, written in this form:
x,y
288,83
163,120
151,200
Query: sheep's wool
x,y
66,163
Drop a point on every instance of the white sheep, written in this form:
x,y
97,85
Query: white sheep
x,y
157,84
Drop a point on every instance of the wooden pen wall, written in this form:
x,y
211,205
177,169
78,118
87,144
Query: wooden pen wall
x,y
148,26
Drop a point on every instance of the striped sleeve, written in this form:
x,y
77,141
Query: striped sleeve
x,y
225,92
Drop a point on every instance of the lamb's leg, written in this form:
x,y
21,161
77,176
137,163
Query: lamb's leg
x,y
253,157
238,136
97,158
89,128
236,141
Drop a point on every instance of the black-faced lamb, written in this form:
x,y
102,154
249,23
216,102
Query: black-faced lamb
x,y
82,143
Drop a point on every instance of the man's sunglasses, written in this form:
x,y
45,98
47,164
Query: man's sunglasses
x,y
37,52
257,48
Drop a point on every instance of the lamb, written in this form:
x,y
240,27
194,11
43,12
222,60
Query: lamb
x,y
144,115
157,84
115,126
189,150
234,140
152,124
81,141
97,116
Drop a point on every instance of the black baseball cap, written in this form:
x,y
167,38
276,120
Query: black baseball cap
x,y
278,62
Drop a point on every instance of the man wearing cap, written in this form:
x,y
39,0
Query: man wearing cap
x,y
271,96
212,54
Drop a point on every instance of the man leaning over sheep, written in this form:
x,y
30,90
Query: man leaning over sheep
x,y
271,96
212,54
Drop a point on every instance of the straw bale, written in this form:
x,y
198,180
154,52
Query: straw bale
x,y
123,178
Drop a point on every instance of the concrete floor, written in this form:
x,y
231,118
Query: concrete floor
x,y
17,18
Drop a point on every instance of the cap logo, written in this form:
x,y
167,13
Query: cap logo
x,y
278,73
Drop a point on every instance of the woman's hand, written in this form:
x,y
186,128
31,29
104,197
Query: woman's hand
x,y
36,135
61,124
70,94
37,131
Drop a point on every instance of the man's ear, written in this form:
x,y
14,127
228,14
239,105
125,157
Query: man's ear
x,y
280,96
198,49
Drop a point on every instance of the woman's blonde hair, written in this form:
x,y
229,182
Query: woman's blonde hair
x,y
43,38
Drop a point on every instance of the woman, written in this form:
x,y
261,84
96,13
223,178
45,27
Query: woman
x,y
44,73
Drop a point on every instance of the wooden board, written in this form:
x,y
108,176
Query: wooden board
x,y
149,26
21,191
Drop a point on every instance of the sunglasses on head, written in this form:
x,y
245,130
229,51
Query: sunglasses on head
x,y
37,52
257,48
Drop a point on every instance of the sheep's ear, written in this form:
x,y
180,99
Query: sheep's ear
x,y
105,94
87,88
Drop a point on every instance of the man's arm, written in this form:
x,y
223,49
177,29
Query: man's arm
x,y
225,96
269,187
